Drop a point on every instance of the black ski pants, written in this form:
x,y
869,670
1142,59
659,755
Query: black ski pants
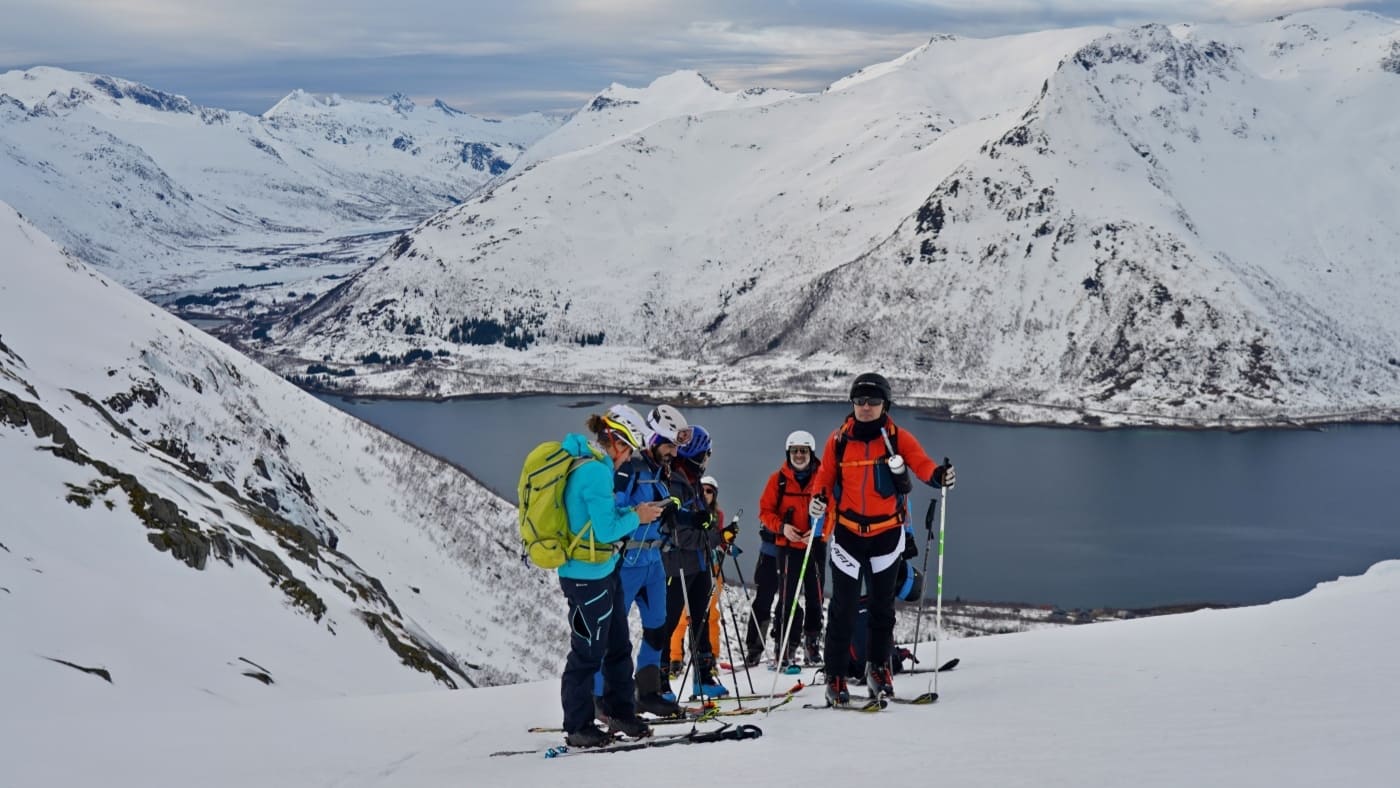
x,y
808,617
876,558
697,591
767,580
598,639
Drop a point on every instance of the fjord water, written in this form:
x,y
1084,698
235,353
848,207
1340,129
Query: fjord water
x,y
1126,518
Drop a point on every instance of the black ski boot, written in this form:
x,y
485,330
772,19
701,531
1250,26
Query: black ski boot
x,y
812,644
632,727
879,682
649,694
753,656
589,736
836,692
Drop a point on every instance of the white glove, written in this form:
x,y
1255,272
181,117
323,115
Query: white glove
x,y
896,464
816,508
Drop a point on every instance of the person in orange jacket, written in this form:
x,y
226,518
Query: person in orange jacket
x,y
710,489
783,511
866,479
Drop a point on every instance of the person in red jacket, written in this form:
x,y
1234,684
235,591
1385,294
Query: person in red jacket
x,y
782,509
866,479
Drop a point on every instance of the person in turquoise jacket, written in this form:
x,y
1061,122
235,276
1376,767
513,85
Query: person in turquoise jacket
x,y
598,633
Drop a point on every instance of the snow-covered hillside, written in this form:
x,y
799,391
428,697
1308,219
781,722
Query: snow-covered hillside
x,y
1191,225
165,195
1300,692
206,533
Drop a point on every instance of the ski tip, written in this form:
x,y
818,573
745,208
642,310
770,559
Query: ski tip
x,y
950,664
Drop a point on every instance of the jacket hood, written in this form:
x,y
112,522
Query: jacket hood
x,y
579,446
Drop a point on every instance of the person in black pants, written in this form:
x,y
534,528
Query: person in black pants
x,y
867,477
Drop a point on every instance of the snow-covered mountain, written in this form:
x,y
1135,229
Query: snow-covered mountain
x,y
166,195
204,532
1180,225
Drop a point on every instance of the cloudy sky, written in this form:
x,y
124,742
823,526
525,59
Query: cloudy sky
x,y
500,57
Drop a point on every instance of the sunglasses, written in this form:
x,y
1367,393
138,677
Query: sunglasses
x,y
799,450
709,491
868,400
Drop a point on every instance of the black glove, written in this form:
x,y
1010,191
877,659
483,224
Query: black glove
x,y
944,475
911,548
767,536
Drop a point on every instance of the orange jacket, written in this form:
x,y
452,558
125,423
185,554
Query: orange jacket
x,y
863,508
773,512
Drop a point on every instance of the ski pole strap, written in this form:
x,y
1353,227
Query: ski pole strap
x,y
726,732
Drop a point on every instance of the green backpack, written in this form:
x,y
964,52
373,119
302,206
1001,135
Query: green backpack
x,y
544,525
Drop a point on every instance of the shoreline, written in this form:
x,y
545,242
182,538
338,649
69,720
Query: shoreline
x,y
921,410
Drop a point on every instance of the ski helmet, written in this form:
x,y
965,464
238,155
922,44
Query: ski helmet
x,y
665,423
871,384
633,421
698,445
709,481
800,438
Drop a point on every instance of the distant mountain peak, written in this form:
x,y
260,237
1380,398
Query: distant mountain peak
x,y
399,102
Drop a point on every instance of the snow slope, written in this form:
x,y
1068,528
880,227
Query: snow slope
x,y
1300,692
1184,225
166,195
181,517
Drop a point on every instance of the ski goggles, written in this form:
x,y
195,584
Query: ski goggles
x,y
876,401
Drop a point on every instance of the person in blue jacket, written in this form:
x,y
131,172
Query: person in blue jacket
x,y
643,478
598,636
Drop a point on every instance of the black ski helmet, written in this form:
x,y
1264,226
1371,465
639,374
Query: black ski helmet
x,y
871,384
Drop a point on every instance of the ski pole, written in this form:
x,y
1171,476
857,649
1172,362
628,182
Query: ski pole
x,y
812,536
928,547
938,616
690,628
748,602
724,629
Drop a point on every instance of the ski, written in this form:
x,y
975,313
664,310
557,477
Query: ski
x,y
798,687
739,712
872,705
726,732
791,670
691,716
946,666
918,700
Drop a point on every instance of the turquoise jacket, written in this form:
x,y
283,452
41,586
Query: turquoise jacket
x,y
588,498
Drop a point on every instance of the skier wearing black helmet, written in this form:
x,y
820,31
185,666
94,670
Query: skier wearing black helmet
x,y
866,477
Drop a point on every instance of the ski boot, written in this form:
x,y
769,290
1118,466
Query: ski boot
x,y
706,684
812,645
879,682
632,727
837,693
587,736
649,694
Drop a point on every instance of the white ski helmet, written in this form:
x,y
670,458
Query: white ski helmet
x,y
666,424
633,421
800,438
709,481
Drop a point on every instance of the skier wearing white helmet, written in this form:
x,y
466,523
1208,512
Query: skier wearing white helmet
x,y
782,509
641,572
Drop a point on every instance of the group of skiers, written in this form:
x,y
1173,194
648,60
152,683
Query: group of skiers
x,y
660,510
